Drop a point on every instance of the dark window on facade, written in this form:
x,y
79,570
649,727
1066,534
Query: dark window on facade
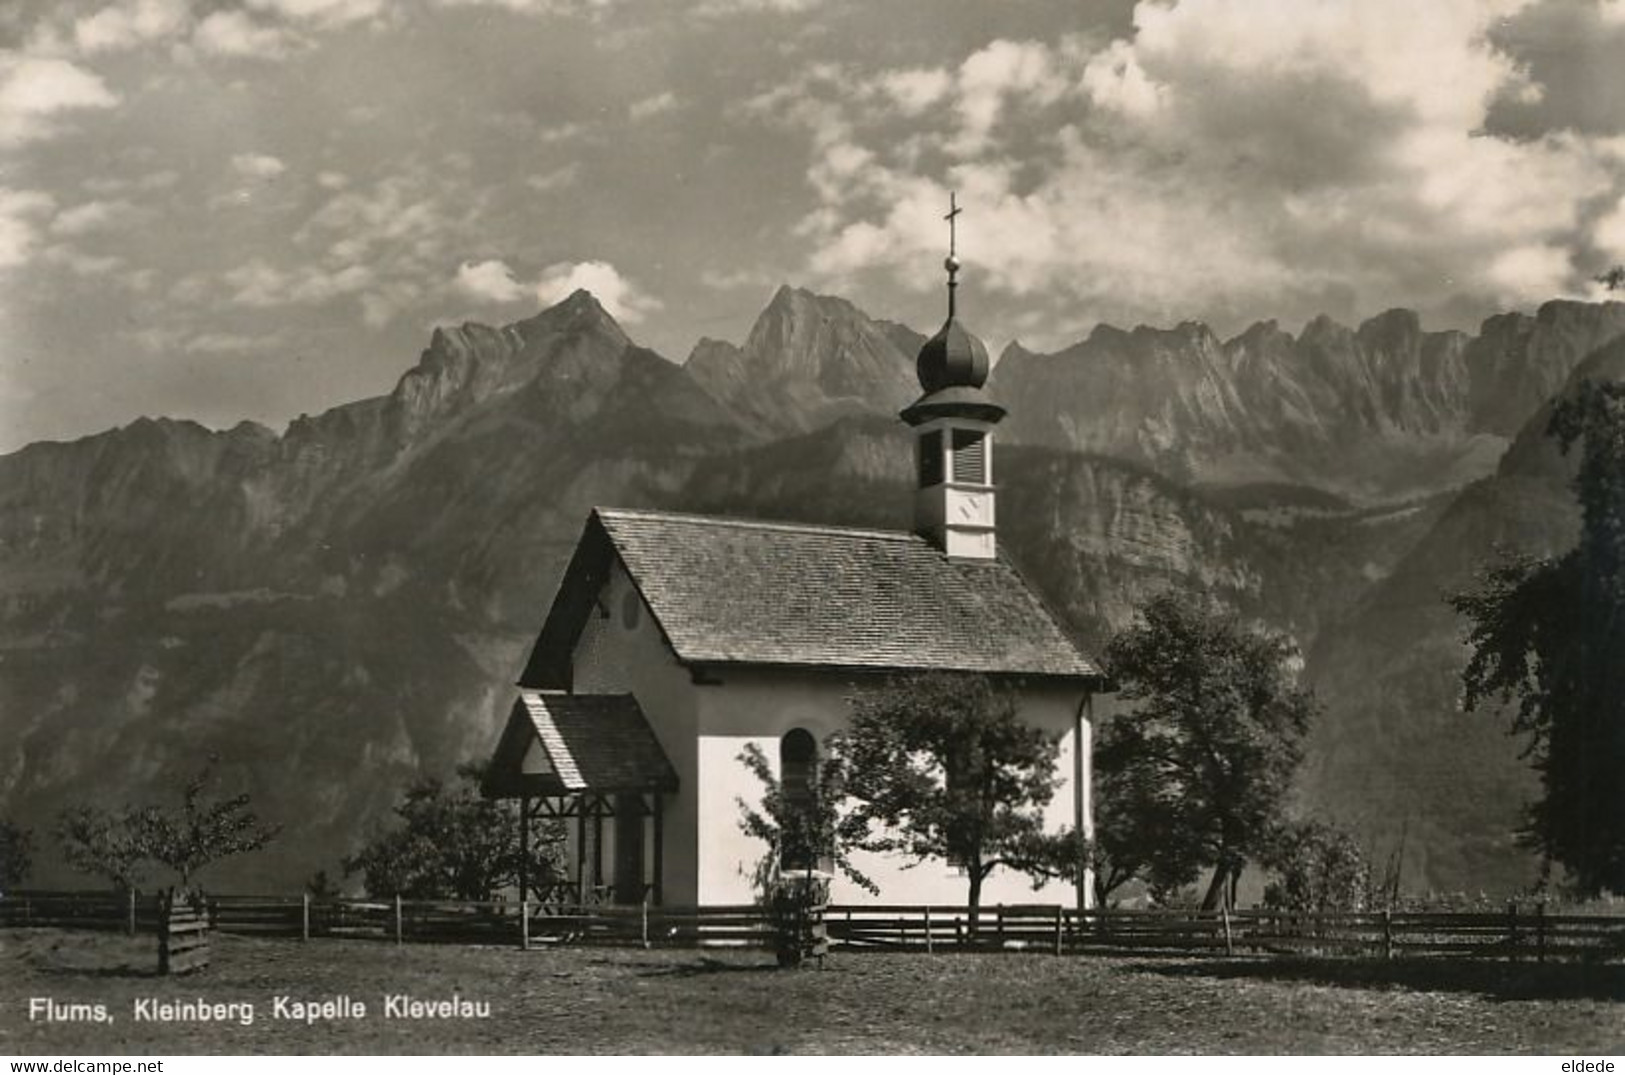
x,y
970,456
798,777
931,459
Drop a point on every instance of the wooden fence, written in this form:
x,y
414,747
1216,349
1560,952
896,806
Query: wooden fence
x,y
1522,931
1525,931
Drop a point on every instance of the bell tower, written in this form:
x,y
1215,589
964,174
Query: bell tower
x,y
953,424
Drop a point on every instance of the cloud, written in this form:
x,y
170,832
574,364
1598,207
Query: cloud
x,y
127,25
34,89
537,7
493,281
80,263
1227,158
321,12
18,233
401,227
652,106
720,8
490,281
558,178
93,216
237,34
260,284
229,343
617,294
159,180
257,166
733,280
916,89
1023,69
562,132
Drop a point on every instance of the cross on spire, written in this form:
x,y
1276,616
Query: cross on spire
x,y
952,262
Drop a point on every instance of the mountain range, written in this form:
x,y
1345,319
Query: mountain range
x,y
341,608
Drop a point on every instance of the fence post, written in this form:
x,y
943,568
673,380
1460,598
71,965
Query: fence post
x,y
130,897
397,918
1512,928
1060,920
929,949
165,909
304,918
645,921
524,925
1000,920
1388,933
1540,932
1224,916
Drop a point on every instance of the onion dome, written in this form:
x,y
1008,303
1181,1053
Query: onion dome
x,y
952,367
953,358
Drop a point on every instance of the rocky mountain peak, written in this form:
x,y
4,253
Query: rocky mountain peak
x,y
796,322
1517,362
467,364
807,360
1260,336
1391,326
1323,331
580,312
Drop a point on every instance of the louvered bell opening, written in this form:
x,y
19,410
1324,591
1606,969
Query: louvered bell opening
x,y
931,459
970,457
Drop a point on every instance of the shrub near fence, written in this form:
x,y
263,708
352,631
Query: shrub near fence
x,y
1521,931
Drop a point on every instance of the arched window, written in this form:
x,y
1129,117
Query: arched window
x,y
798,777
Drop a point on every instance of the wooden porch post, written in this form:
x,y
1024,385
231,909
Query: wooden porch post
x,y
660,849
581,851
524,847
598,808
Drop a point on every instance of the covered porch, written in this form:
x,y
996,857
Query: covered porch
x,y
590,764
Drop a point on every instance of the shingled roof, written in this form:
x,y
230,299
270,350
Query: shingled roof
x,y
593,742
731,591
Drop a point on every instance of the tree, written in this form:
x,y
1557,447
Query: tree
x,y
1139,834
119,846
1197,775
800,831
944,768
103,844
453,843
1318,867
16,855
202,831
802,827
1550,632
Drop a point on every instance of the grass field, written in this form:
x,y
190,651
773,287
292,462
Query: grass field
x,y
628,1000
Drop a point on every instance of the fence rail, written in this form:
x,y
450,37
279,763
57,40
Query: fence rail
x,y
1522,931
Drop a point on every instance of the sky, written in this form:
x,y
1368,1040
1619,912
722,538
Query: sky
x,y
252,209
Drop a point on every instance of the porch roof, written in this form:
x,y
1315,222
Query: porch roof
x,y
598,743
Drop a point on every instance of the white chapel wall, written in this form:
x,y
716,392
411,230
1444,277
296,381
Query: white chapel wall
x,y
760,706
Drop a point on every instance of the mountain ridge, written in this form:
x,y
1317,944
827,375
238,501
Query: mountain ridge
x,y
353,595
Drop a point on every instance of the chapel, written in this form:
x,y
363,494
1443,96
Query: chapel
x,y
675,640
